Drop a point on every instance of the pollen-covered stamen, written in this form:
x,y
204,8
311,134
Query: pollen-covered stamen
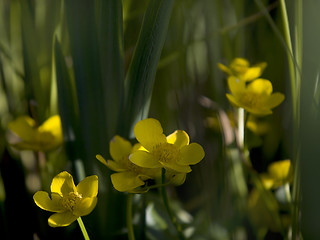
x,y
69,201
166,152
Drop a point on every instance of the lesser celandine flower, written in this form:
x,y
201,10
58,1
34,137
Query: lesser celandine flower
x,y
240,68
256,97
129,176
46,137
69,202
174,153
279,173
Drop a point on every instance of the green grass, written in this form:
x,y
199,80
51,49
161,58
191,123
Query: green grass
x,y
105,65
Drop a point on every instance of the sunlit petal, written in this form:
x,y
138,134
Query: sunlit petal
x,y
149,133
144,159
125,181
88,187
61,219
43,201
63,184
179,138
260,86
252,73
85,206
191,154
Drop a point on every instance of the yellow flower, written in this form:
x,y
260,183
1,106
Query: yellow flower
x,y
173,152
67,200
256,97
46,137
261,213
129,176
279,173
240,68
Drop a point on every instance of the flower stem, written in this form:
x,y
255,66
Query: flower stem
x,y
129,217
241,128
166,204
83,229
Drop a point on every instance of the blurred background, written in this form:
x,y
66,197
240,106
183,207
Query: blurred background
x,y
104,65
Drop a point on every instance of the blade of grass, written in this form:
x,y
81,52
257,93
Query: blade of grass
x,y
310,118
94,114
68,110
110,36
141,74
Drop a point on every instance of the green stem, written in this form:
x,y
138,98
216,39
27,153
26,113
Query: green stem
x,y
129,217
287,191
166,204
83,229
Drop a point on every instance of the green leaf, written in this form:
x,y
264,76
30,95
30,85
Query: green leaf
x,y
141,74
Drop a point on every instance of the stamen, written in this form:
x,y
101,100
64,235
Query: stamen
x,y
71,200
166,152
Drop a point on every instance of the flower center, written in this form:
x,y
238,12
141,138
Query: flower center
x,y
251,99
132,167
166,152
69,201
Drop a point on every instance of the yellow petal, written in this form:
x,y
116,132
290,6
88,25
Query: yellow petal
x,y
61,219
260,86
234,101
126,181
267,181
236,85
144,159
179,138
52,124
119,147
274,100
172,166
63,184
178,179
24,127
43,201
280,170
149,133
114,166
252,73
191,154
101,159
239,66
88,187
85,206
50,133
224,68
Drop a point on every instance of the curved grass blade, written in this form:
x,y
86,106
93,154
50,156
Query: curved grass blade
x,y
141,74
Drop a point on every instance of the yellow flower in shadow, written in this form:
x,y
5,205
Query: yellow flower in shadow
x,y
174,153
256,97
240,68
46,137
279,173
67,200
253,123
129,176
